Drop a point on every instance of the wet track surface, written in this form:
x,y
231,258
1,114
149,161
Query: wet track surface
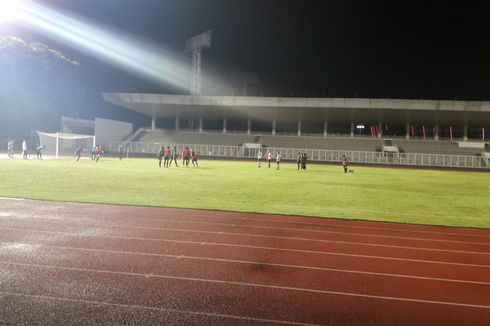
x,y
80,264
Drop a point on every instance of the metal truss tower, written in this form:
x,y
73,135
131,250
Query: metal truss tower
x,y
195,45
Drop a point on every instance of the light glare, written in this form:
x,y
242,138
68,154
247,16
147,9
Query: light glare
x,y
10,9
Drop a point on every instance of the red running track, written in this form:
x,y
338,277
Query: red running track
x,y
81,264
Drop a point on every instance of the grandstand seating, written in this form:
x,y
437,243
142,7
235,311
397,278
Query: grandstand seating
x,y
300,142
182,137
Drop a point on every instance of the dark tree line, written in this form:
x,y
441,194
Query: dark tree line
x,y
37,86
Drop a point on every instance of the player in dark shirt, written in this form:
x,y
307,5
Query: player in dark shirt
x,y
160,156
174,156
78,152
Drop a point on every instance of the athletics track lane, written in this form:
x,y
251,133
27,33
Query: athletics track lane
x,y
116,264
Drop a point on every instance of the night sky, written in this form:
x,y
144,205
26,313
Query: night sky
x,y
392,49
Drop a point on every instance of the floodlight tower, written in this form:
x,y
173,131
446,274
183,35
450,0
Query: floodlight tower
x,y
195,45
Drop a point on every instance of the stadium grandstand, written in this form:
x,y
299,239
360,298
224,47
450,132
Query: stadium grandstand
x,y
387,127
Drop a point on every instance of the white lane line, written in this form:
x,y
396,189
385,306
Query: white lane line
x,y
222,244
288,238
346,225
353,221
329,232
234,225
250,262
242,284
201,243
166,310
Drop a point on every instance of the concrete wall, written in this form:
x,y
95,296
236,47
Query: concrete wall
x,y
111,130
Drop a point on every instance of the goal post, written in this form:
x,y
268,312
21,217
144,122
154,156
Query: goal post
x,y
64,143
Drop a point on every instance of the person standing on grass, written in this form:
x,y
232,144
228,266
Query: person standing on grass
x,y
278,160
24,149
259,157
99,152
345,163
160,156
10,148
166,156
94,152
174,157
185,157
269,158
78,152
121,152
39,151
299,160
303,161
194,159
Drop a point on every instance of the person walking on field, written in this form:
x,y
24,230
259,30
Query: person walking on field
x,y
78,152
24,149
259,157
299,160
278,160
174,157
160,156
269,158
194,159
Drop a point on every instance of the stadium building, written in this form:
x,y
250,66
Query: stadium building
x,y
343,124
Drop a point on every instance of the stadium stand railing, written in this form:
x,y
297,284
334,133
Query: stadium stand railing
x,y
150,149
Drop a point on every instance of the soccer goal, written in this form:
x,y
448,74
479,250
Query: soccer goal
x,y
64,143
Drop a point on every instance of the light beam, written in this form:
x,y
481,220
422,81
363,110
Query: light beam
x,y
131,54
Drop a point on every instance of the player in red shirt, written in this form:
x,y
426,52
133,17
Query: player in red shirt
x,y
194,159
345,163
166,156
186,157
99,151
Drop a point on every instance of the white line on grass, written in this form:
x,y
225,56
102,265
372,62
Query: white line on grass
x,y
242,284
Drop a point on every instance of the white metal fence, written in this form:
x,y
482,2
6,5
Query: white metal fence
x,y
316,155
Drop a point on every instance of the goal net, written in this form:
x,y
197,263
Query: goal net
x,y
64,144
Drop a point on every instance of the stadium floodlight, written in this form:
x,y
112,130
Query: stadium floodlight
x,y
195,45
10,9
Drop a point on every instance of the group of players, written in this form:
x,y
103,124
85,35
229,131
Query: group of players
x,y
10,150
168,156
268,158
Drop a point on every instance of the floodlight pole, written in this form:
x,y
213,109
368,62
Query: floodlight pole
x,y
195,45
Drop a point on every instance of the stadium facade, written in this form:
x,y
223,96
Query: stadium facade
x,y
434,119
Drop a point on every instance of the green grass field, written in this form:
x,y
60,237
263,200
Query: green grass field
x,y
382,194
